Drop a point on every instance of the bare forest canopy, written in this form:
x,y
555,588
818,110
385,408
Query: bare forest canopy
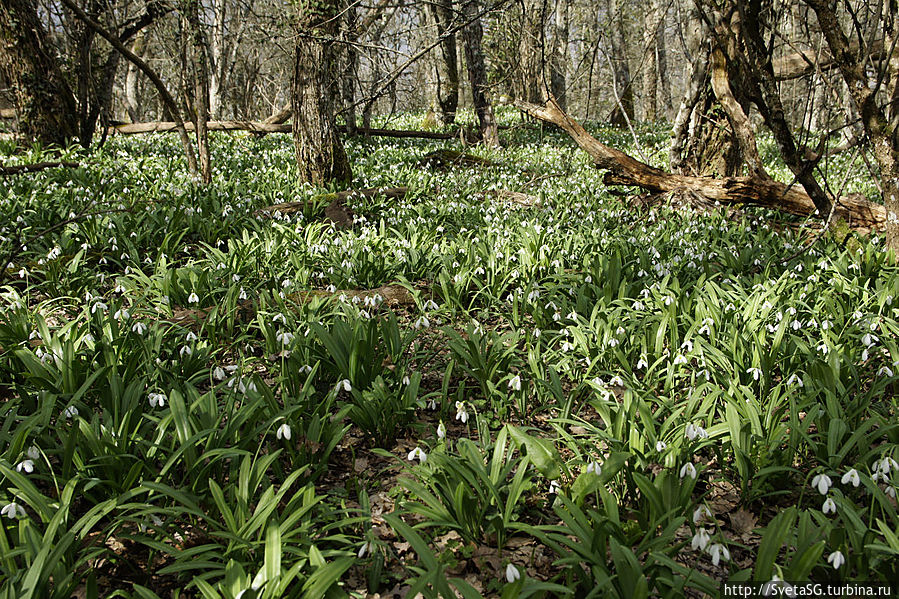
x,y
819,77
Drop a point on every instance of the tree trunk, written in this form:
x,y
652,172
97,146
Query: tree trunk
x,y
662,63
44,102
321,157
132,105
530,51
624,109
477,73
650,68
557,75
348,74
883,136
447,67
201,86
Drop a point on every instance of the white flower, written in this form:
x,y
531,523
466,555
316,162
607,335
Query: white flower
x,y
13,510
822,482
829,506
345,383
33,453
660,446
718,552
680,360
367,547
836,559
688,469
284,338
441,430
641,364
461,412
218,373
755,372
70,412
26,465
594,467
851,477
515,383
702,514
694,430
885,371
121,314
193,298
156,399
422,322
417,454
795,380
139,328
185,350
700,539
284,432
554,486
512,573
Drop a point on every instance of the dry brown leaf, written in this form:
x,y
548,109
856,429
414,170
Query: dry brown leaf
x,y
742,521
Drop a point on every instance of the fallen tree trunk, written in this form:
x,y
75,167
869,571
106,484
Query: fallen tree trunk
x,y
857,211
263,127
35,167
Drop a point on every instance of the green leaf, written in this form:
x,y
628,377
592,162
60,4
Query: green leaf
x,y
541,452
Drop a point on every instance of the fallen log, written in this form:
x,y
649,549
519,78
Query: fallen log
x,y
858,212
35,167
264,127
7,113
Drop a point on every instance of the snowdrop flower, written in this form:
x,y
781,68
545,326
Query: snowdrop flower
x,y
441,431
345,383
680,359
885,371
284,432
719,552
594,467
121,314
700,539
755,372
851,477
554,486
367,547
284,338
693,430
70,412
406,379
829,506
156,399
13,510
688,469
822,482
660,446
795,380
512,573
139,328
461,412
422,322
515,383
242,295
186,350
417,454
836,559
193,298
218,373
26,465
641,364
33,453
702,514
432,405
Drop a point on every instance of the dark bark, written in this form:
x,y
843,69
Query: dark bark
x,y
350,61
45,104
559,64
191,10
321,157
447,67
472,33
624,109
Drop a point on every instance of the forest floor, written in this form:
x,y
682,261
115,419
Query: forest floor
x,y
506,380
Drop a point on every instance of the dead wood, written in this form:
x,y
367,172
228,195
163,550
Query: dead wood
x,y
858,212
34,167
515,197
336,210
266,127
448,158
